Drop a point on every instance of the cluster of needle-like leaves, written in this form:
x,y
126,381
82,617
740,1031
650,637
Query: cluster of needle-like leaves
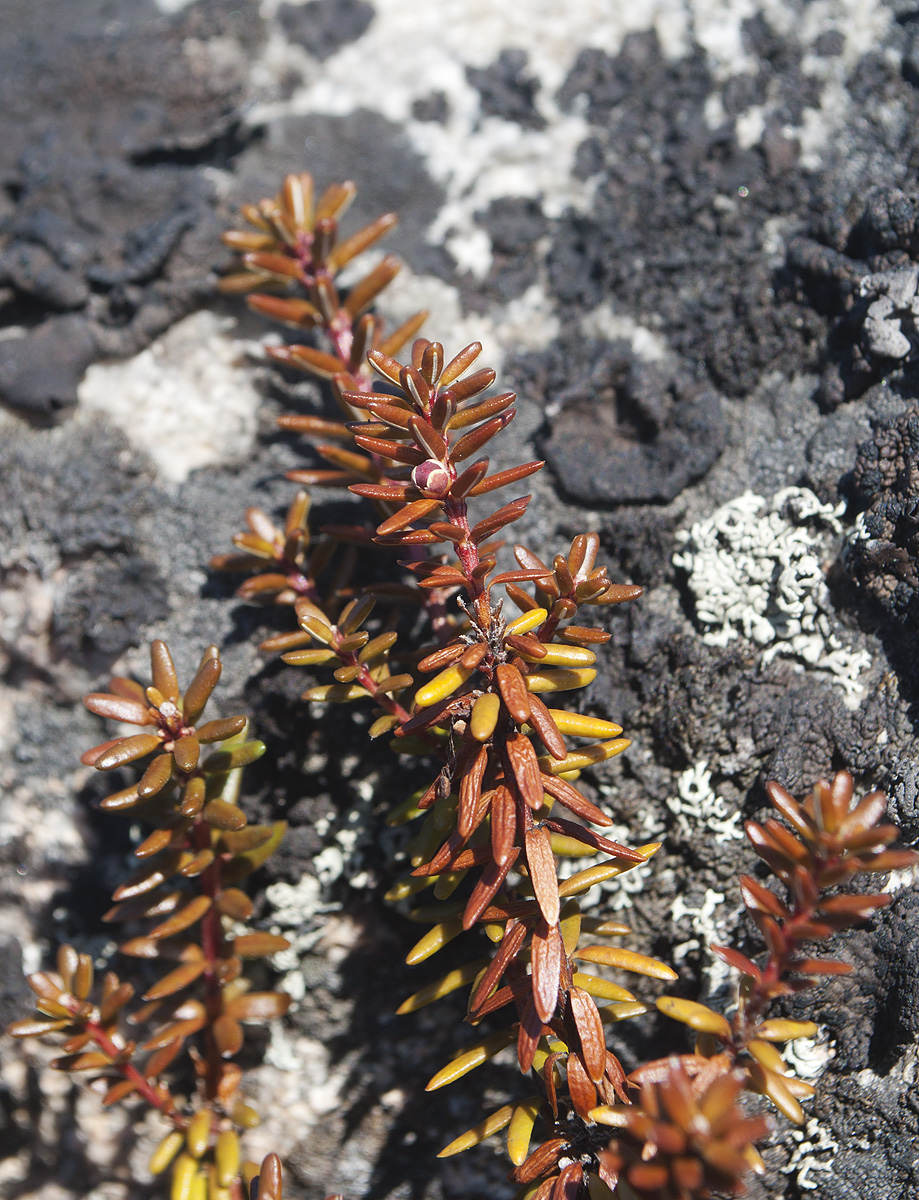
x,y
829,842
186,897
295,251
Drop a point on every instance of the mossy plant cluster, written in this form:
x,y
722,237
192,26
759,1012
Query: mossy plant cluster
x,y
486,698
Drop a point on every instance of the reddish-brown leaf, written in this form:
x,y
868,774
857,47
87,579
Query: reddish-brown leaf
x,y
149,877
541,865
470,792
562,791
407,515
474,413
522,763
580,1088
544,724
519,577
398,492
589,1028
186,751
568,1184
514,693
183,919
226,727
589,838
259,945
503,516
200,688
543,1159
119,708
473,441
228,1035
163,671
528,1035
442,657
389,449
738,961
760,899
118,1091
90,757
503,824
506,952
167,1042
175,980
127,750
428,438
460,363
270,1179
156,776
502,479
223,815
547,957
820,966
486,889
258,1006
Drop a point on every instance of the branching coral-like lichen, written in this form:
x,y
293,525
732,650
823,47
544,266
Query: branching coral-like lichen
x,y
756,570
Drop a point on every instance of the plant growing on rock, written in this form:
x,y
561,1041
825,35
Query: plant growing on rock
x,y
197,999
474,694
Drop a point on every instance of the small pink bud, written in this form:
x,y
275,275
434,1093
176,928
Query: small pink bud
x,y
432,478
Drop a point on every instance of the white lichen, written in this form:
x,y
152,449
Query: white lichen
x,y
697,807
894,299
711,923
808,1057
814,1139
755,570
189,400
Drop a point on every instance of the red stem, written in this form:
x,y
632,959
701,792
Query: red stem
x,y
761,994
142,1086
212,944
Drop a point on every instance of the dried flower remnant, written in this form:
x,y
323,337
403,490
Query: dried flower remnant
x,y
200,849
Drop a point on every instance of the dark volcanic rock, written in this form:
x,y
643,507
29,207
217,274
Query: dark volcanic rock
x,y
324,26
675,234
77,491
435,107
105,604
514,225
630,432
40,371
507,91
113,111
883,558
864,274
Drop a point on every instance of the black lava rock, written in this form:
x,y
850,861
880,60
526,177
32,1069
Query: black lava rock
x,y
631,433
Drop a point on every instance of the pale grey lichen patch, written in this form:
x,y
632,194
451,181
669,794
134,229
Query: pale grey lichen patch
x,y
710,923
894,308
188,400
808,1057
527,322
697,808
603,322
430,48
295,909
755,569
812,1142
